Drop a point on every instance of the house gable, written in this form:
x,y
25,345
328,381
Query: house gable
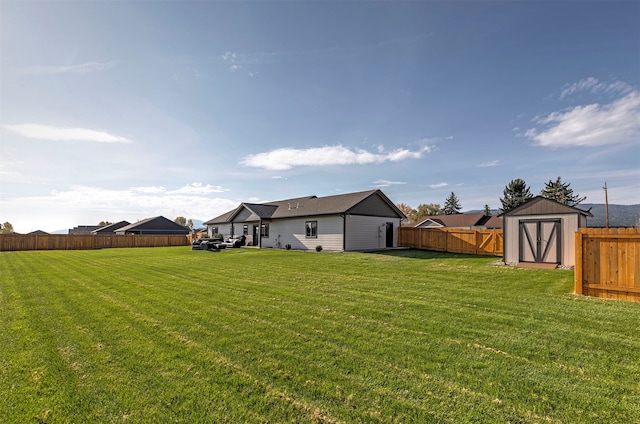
x,y
376,205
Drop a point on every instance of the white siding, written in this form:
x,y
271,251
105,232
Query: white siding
x,y
224,229
568,223
293,232
369,232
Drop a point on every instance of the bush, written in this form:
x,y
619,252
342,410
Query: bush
x,y
318,248
287,246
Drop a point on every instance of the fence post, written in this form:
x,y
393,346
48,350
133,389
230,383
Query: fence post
x,y
578,262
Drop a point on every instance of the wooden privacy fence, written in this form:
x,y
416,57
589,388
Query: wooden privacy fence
x,y
473,242
86,241
608,263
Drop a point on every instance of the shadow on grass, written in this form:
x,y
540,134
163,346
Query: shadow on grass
x,y
427,254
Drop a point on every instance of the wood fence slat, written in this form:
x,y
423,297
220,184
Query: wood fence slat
x,y
608,263
475,242
12,242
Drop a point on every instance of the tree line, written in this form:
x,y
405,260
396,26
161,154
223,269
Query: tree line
x,y
515,193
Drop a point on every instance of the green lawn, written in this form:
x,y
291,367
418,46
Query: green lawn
x,y
247,335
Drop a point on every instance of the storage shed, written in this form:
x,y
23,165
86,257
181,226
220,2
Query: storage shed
x,y
541,231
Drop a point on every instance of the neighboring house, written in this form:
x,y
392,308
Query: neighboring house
x,y
111,228
542,231
38,233
467,221
365,220
155,225
83,229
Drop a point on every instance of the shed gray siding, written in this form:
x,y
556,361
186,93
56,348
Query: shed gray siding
x,y
569,224
542,210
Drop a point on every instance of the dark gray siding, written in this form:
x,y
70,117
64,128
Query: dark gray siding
x,y
373,206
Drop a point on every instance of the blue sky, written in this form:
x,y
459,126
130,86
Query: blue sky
x,y
127,110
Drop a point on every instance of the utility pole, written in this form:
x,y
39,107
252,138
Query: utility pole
x,y
606,202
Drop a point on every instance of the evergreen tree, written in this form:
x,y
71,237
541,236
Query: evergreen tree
x,y
515,194
561,193
452,205
487,210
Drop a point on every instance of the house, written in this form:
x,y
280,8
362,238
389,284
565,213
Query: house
x,y
38,233
155,225
365,220
111,228
83,229
467,221
541,231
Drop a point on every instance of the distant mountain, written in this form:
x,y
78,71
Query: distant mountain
x,y
619,215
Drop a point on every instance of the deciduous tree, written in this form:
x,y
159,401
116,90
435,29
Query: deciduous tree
x,y
6,228
180,220
406,209
425,209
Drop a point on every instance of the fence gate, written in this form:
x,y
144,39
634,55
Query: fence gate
x,y
540,241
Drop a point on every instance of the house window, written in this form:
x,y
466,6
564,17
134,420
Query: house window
x,y
311,229
264,230
214,230
245,230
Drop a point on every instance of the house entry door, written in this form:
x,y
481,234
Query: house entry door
x,y
540,241
255,236
389,234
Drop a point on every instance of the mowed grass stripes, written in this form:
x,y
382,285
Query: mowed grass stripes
x,y
246,335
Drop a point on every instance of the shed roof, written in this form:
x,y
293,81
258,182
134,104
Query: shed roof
x,y
542,206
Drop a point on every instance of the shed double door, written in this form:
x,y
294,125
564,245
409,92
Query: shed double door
x,y
540,241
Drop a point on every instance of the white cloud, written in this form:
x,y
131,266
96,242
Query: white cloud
x,y
48,132
489,164
198,188
594,124
438,185
287,158
85,205
149,190
83,68
236,63
386,183
594,86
